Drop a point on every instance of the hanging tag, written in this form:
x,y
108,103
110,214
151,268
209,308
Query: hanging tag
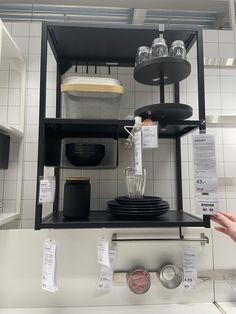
x,y
105,281
49,266
190,268
150,136
207,204
138,153
206,185
103,251
47,187
204,158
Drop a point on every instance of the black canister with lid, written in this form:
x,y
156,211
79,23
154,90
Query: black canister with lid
x,y
76,197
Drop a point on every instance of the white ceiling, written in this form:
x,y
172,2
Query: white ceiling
x,y
210,14
194,5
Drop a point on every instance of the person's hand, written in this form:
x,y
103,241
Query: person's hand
x,y
227,224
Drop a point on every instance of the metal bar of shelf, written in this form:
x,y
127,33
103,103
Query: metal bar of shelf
x,y
203,239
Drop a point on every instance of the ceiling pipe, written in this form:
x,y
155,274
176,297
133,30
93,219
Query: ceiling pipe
x,y
231,7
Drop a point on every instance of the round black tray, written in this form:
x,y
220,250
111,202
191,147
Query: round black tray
x,y
165,111
172,69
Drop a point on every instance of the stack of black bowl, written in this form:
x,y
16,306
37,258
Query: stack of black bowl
x,y
84,155
147,206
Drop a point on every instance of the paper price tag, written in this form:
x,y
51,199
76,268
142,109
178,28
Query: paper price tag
x,y
105,281
190,268
207,204
103,251
138,153
47,189
150,136
204,156
206,185
49,266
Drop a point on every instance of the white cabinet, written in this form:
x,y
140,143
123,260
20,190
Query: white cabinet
x,y
12,102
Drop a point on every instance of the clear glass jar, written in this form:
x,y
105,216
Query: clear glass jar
x,y
143,53
135,183
177,49
159,48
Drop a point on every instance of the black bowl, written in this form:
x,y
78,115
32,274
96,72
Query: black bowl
x,y
86,157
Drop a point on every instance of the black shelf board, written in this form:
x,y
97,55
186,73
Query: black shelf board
x,y
66,128
108,45
170,69
100,219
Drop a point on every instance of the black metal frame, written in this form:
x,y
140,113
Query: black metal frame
x,y
187,126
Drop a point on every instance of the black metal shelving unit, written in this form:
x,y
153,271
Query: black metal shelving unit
x,y
116,45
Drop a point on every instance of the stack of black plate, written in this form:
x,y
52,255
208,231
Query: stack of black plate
x,y
147,206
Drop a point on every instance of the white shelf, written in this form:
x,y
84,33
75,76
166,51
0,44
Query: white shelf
x,y
8,217
221,120
11,54
11,131
219,62
227,181
9,49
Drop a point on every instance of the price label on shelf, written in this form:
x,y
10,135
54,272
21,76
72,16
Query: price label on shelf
x,y
47,187
204,158
207,204
190,268
206,185
138,153
150,136
49,266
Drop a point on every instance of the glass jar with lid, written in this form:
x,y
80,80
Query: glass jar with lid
x,y
159,48
177,49
143,53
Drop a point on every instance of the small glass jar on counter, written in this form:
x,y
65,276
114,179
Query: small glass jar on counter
x,y
159,48
177,49
143,53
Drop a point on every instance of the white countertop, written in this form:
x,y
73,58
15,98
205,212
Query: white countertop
x,y
193,308
228,307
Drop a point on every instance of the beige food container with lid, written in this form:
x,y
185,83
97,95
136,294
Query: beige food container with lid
x,y
91,98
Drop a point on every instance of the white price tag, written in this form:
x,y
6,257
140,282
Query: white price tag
x,y
204,156
49,266
190,268
150,136
206,185
207,204
105,281
103,251
47,189
138,153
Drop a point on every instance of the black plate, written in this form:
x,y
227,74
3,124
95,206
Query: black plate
x,y
161,205
165,111
140,210
139,214
147,200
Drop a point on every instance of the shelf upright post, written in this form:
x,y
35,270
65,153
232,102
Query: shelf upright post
x,y
179,187
58,115
201,88
162,89
201,96
42,111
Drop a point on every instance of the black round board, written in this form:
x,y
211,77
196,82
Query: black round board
x,y
166,111
172,70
